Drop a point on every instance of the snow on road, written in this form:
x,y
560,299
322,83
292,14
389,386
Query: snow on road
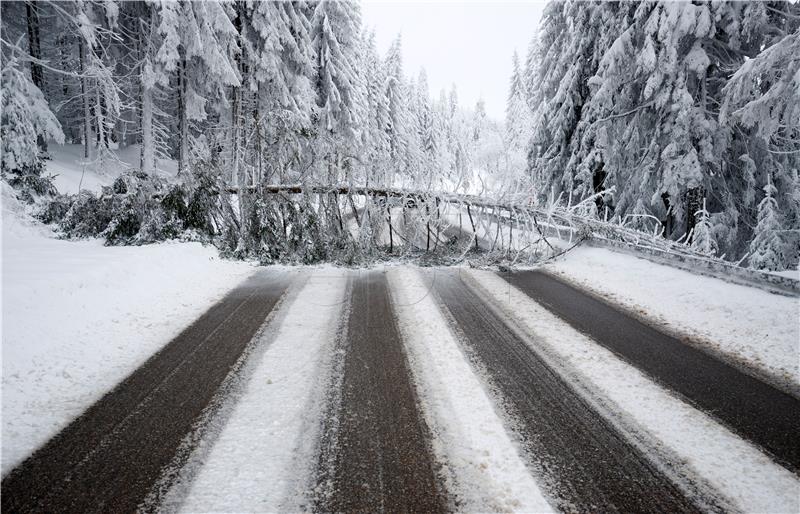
x,y
264,456
483,465
754,326
736,469
78,317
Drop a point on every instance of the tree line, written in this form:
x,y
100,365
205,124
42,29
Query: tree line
x,y
237,93
684,115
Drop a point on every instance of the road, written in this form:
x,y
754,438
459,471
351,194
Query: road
x,y
559,430
753,409
109,459
376,451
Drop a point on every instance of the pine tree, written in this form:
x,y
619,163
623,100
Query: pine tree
x,y
518,115
26,118
376,137
397,103
198,44
703,239
335,29
767,248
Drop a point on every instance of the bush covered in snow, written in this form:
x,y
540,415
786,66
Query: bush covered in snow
x,y
136,209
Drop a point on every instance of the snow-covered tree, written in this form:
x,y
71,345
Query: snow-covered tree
x,y
276,40
198,45
703,237
26,117
767,248
397,97
376,142
335,36
657,104
518,116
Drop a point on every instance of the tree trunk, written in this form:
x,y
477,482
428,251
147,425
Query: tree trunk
x,y
474,232
100,121
87,115
183,120
147,154
391,240
36,52
148,158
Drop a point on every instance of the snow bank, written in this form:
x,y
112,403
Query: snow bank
x,y
749,325
482,463
78,317
73,172
264,456
740,472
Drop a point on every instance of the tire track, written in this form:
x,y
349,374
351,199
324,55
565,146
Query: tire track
x,y
586,466
756,411
376,453
110,457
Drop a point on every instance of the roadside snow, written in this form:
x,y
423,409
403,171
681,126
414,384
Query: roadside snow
x,y
482,463
738,470
78,317
264,455
756,327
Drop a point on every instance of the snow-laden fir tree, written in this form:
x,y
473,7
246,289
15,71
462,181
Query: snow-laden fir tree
x,y
26,117
198,46
279,57
703,238
400,122
656,104
518,115
375,136
767,248
335,38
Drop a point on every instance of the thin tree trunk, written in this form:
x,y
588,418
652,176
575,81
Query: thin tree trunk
x,y
474,232
35,50
391,240
99,119
147,154
87,115
183,154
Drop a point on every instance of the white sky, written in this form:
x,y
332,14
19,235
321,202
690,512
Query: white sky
x,y
469,43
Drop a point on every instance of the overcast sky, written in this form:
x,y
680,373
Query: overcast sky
x,y
469,43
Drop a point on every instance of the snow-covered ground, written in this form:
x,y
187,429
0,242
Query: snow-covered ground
x,y
78,317
482,465
752,326
739,471
73,172
264,456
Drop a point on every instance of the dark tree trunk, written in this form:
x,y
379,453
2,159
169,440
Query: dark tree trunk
x,y
85,100
669,221
694,199
36,52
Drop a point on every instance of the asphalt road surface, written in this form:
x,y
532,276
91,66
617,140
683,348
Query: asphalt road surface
x,y
376,452
108,459
585,465
753,409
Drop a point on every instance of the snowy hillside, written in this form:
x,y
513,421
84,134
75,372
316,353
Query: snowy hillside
x,y
73,172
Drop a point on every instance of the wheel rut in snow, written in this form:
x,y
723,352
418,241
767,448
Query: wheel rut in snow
x,y
584,463
376,452
753,409
109,458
